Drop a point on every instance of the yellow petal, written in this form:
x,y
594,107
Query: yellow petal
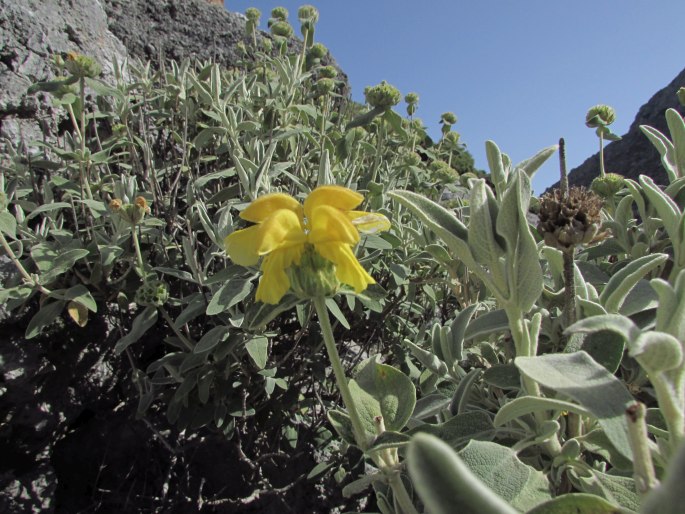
x,y
275,282
335,196
280,230
347,267
266,205
368,222
242,246
328,224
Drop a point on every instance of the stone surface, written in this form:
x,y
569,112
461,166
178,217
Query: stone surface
x,y
30,32
634,155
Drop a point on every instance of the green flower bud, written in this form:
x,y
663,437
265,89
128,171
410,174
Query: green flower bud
x,y
571,449
253,14
357,134
314,276
328,72
82,66
279,13
383,95
308,13
282,29
448,118
153,293
241,46
681,96
440,171
267,45
317,51
451,139
411,159
608,185
600,116
324,86
411,98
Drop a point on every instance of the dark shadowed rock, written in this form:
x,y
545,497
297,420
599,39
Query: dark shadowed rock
x,y
634,155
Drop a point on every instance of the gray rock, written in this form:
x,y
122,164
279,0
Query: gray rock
x,y
30,32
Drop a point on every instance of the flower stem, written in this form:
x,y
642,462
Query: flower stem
x,y
643,468
601,155
20,267
139,255
339,372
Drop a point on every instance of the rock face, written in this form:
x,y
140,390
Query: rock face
x,y
30,32
634,155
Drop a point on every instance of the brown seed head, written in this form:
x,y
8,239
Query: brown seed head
x,y
565,223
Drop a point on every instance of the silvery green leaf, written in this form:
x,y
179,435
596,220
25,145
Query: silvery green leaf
x,y
667,209
616,489
482,238
528,404
428,359
486,324
445,483
656,351
8,224
445,225
462,394
616,323
577,503
141,324
578,376
522,486
497,170
460,429
622,282
44,317
676,127
524,273
458,329
531,165
211,338
665,149
381,390
257,348
555,260
670,316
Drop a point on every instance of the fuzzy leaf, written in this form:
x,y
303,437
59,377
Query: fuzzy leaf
x,y
578,376
445,483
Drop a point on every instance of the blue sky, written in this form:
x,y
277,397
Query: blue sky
x,y
522,73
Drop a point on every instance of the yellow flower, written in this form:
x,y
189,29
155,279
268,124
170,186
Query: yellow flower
x,y
284,229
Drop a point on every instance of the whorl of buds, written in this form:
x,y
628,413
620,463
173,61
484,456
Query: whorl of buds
x,y
608,185
317,51
153,293
411,159
451,139
324,86
328,72
600,116
281,28
412,100
279,13
567,222
253,14
382,96
308,13
448,118
82,66
441,171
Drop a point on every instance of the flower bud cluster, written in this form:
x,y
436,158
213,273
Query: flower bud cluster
x,y
382,96
132,213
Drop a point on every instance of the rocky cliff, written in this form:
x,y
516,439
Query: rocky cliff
x,y
634,155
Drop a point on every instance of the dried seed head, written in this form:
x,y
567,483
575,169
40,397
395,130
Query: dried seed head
x,y
565,223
